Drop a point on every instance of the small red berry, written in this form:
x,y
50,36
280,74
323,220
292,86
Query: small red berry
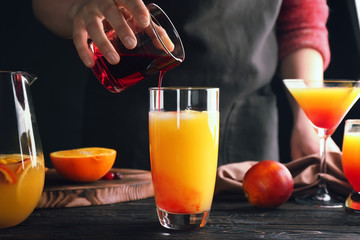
x,y
108,176
118,176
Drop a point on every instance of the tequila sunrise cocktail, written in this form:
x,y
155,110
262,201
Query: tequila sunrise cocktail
x,y
183,153
184,159
351,162
351,159
21,185
326,107
325,103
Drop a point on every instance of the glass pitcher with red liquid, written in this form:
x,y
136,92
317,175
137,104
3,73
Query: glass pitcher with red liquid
x,y
159,49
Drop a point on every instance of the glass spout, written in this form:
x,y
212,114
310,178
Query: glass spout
x,y
29,76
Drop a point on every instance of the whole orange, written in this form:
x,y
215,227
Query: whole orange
x,y
83,164
268,184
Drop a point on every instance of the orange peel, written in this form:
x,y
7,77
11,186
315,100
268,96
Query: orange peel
x,y
6,174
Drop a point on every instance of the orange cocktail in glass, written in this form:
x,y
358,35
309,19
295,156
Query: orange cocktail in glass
x,y
326,107
325,103
351,162
184,152
184,160
351,159
21,185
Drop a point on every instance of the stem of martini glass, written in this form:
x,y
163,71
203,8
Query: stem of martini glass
x,y
322,193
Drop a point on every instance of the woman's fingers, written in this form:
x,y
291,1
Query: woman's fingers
x,y
117,20
164,37
93,18
162,34
137,9
80,37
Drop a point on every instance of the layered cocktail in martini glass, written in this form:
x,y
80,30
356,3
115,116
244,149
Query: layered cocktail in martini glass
x,y
325,103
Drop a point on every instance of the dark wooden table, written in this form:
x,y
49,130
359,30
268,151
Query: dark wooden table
x,y
230,218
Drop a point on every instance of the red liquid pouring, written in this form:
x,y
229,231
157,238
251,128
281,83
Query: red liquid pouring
x,y
161,75
130,70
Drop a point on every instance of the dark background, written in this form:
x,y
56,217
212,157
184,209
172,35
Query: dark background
x,y
58,94
344,38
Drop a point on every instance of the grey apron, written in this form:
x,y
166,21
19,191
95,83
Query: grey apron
x,y
230,44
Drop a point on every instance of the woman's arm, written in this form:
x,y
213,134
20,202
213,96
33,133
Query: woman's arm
x,y
56,15
305,63
304,53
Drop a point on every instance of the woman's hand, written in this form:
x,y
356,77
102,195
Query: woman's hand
x,y
84,19
89,17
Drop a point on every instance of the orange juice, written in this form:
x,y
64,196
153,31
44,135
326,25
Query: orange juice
x,y
325,107
21,185
351,158
184,152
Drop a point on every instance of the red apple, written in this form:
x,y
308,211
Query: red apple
x,y
268,184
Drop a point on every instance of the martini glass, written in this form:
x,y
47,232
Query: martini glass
x,y
325,103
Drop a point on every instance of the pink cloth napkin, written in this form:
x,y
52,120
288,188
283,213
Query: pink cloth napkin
x,y
305,172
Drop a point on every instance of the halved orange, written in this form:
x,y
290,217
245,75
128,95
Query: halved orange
x,y
83,164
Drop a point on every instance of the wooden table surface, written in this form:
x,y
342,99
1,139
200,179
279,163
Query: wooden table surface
x,y
230,218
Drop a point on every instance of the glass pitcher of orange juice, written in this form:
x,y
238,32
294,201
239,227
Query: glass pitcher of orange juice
x,y
22,170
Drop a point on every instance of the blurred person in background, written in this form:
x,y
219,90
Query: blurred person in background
x,y
243,47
